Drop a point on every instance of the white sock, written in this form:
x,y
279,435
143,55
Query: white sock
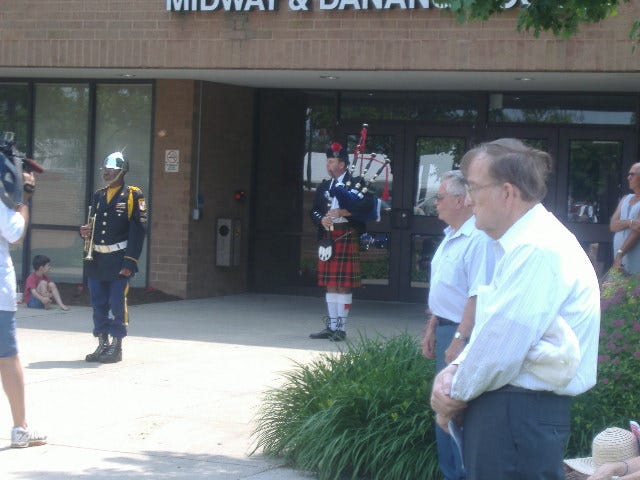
x,y
332,309
344,306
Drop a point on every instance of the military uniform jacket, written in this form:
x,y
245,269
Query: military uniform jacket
x,y
122,219
321,203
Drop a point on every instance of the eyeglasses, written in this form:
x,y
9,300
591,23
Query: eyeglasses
x,y
471,189
440,196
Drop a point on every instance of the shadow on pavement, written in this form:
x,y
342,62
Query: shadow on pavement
x,y
248,319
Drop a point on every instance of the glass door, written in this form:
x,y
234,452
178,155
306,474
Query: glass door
x,y
584,188
382,159
592,171
396,251
431,152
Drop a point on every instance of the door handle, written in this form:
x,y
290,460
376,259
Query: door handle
x,y
401,218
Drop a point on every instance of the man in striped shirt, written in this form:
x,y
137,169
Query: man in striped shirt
x,y
514,407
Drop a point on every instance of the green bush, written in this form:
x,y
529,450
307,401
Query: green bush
x,y
616,397
363,413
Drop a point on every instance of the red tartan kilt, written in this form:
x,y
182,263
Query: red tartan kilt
x,y
343,270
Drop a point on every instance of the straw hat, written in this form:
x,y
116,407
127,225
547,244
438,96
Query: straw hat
x,y
612,445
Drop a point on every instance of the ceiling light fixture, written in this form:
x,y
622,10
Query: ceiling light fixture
x,y
329,77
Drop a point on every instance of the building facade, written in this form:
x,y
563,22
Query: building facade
x,y
224,108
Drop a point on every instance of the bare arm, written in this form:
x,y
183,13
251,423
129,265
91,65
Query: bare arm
x,y
629,242
615,224
465,328
429,337
23,208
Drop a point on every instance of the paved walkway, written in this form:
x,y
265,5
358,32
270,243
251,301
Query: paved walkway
x,y
181,404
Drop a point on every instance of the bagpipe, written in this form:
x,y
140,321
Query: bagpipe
x,y
355,194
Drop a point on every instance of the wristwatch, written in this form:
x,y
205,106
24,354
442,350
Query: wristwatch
x,y
458,336
620,252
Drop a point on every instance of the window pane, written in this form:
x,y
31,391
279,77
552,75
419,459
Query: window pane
x,y
373,167
443,107
319,125
435,156
566,109
60,146
64,248
16,257
320,117
14,108
123,123
374,258
593,170
14,111
423,247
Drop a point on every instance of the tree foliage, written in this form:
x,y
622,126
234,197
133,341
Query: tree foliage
x,y
561,17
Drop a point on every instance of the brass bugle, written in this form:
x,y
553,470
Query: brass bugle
x,y
88,242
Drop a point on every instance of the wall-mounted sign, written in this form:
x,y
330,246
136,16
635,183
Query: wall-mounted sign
x,y
302,5
172,161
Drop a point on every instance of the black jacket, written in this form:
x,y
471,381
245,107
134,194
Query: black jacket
x,y
124,218
322,202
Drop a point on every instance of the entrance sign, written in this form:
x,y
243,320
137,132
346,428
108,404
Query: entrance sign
x,y
302,5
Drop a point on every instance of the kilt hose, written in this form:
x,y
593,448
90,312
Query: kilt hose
x,y
343,270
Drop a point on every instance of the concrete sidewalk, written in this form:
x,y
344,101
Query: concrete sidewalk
x,y
181,404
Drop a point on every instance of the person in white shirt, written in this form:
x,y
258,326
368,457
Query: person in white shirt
x,y
516,421
14,218
462,262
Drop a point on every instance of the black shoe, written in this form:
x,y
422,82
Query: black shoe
x,y
338,335
324,334
113,353
103,344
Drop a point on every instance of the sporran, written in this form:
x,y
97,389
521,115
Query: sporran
x,y
325,249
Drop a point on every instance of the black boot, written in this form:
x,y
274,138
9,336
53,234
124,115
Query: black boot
x,y
113,353
339,333
103,344
323,334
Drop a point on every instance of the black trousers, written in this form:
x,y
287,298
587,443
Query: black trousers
x,y
516,434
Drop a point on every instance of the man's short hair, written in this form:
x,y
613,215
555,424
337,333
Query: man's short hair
x,y
513,162
455,182
40,261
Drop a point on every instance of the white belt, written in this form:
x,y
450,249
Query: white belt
x,y
116,247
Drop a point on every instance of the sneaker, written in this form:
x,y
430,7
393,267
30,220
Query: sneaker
x,y
326,333
338,335
23,438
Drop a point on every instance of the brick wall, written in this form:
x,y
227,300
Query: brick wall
x,y
182,254
142,34
170,201
225,167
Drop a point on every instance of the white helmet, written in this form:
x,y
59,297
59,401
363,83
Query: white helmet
x,y
116,161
